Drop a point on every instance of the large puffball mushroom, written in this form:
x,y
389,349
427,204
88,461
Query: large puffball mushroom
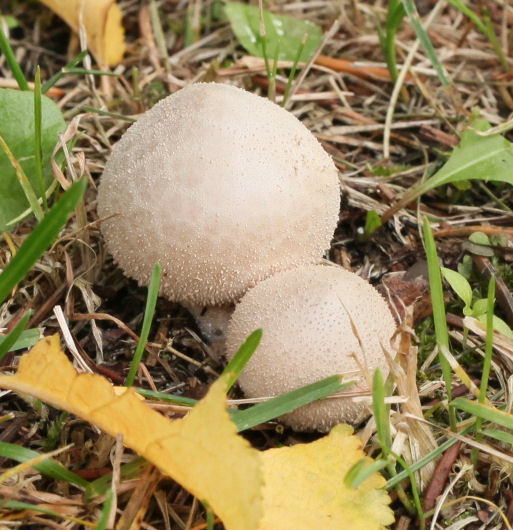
x,y
221,187
307,316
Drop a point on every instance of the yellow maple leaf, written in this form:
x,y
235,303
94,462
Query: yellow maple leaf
x,y
202,451
298,487
304,487
102,22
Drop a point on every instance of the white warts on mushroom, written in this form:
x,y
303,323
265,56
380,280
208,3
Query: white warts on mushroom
x,y
221,187
308,315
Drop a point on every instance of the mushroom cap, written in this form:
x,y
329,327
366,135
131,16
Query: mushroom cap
x,y
221,187
307,336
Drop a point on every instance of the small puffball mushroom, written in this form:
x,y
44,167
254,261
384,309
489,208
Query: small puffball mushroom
x,y
222,188
306,315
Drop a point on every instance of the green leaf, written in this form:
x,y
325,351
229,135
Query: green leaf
x,y
479,239
281,31
13,340
479,307
18,130
275,407
498,324
241,358
48,467
372,222
487,158
459,285
40,239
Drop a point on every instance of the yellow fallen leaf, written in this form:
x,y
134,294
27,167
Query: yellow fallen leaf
x,y
102,22
299,487
304,487
202,451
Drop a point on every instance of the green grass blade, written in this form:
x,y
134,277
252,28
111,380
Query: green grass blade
x,y
496,434
424,461
275,407
241,358
48,467
104,516
484,412
20,505
381,413
38,146
24,182
40,239
167,398
11,60
395,15
292,73
362,470
151,303
488,341
102,485
458,4
10,340
51,82
437,300
425,41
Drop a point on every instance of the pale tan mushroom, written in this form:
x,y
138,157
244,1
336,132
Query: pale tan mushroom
x,y
307,316
221,187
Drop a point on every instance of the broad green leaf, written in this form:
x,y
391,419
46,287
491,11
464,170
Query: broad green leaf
x,y
498,324
281,30
487,158
18,338
459,285
479,238
17,129
479,307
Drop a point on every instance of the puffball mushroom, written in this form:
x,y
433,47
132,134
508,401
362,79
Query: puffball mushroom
x,y
306,315
221,187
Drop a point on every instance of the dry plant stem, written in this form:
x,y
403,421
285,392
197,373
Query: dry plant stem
x,y
116,478
400,81
137,506
468,230
407,386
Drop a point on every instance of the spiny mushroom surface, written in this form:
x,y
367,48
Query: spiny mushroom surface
x,y
306,314
221,187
